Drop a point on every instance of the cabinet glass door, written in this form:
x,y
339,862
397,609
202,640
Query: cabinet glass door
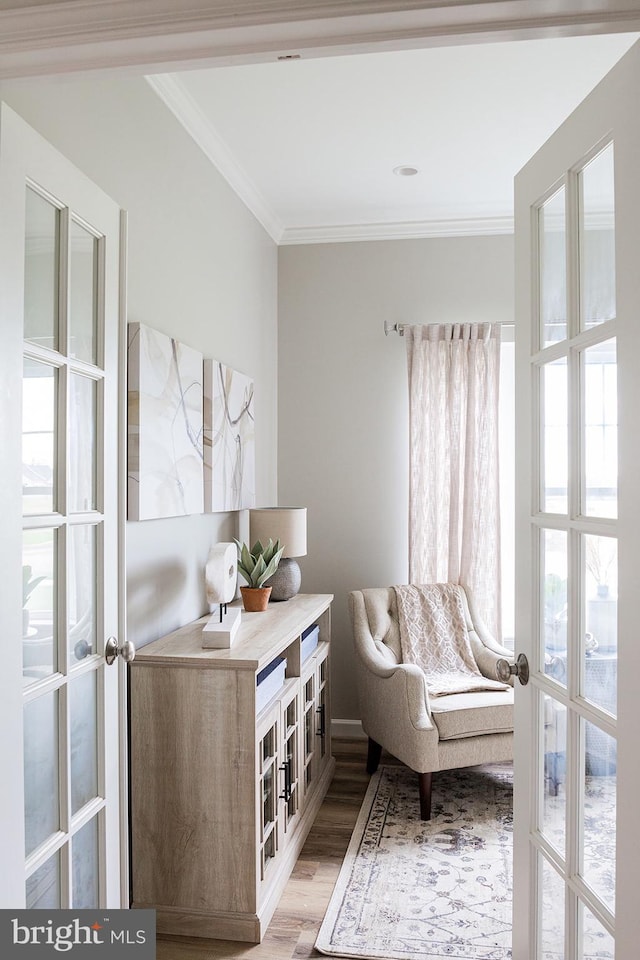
x,y
322,709
291,760
268,793
309,725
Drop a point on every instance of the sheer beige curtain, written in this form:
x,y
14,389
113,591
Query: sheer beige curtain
x,y
454,514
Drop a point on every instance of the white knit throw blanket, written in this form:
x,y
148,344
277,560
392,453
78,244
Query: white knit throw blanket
x,y
434,636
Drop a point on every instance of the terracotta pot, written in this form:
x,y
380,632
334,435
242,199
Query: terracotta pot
x,y
255,599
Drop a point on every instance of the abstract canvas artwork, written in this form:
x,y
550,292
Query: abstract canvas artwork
x,y
165,428
229,439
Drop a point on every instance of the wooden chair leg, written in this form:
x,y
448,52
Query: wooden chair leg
x,y
424,781
373,756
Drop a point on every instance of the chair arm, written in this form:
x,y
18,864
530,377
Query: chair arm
x,y
486,638
397,692
407,690
394,710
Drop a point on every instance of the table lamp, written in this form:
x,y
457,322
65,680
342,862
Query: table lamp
x,y
289,526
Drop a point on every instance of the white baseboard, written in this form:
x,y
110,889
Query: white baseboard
x,y
347,730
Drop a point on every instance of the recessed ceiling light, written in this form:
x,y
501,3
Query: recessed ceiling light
x,y
405,171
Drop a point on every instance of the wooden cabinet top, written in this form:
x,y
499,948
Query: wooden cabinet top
x,y
260,637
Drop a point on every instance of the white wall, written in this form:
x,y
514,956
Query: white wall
x,y
200,269
343,409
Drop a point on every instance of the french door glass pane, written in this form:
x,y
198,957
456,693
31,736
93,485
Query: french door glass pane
x,y
554,604
83,292
601,621
82,443
599,812
69,482
83,740
555,439
41,787
597,943
39,401
41,270
506,446
44,887
600,430
81,600
39,648
553,268
85,867
554,764
552,913
597,240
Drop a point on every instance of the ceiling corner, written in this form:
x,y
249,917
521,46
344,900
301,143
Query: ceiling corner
x,y
175,96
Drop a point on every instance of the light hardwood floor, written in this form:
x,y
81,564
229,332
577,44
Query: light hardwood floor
x,y
295,924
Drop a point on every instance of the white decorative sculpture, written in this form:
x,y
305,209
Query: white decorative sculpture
x,y
221,574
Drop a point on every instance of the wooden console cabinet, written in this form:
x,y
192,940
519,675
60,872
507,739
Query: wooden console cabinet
x,y
222,795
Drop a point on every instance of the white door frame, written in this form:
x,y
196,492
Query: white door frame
x,y
101,41
165,36
25,154
608,111
123,718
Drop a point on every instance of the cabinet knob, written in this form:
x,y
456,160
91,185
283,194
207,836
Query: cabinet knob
x,y
320,732
286,769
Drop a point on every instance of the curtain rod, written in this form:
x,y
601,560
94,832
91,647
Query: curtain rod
x,y
398,328
393,328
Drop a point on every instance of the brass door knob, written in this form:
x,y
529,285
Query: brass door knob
x,y
519,669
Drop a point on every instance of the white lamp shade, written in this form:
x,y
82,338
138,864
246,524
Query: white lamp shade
x,y
286,524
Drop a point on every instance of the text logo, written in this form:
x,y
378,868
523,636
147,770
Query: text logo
x,y
29,934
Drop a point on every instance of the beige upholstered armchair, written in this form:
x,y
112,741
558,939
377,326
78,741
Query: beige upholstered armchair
x,y
426,733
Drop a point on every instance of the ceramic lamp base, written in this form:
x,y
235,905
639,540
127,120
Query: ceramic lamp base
x,y
285,582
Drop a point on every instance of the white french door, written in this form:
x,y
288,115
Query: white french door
x,y
60,705
577,764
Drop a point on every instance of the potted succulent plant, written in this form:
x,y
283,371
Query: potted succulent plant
x,y
256,566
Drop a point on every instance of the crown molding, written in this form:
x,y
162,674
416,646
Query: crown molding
x,y
401,230
173,93
162,35
189,114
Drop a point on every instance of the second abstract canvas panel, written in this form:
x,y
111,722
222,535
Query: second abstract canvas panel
x,y
229,438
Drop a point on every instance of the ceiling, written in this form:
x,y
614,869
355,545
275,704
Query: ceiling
x,y
310,145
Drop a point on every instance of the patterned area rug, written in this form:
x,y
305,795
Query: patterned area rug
x,y
416,890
